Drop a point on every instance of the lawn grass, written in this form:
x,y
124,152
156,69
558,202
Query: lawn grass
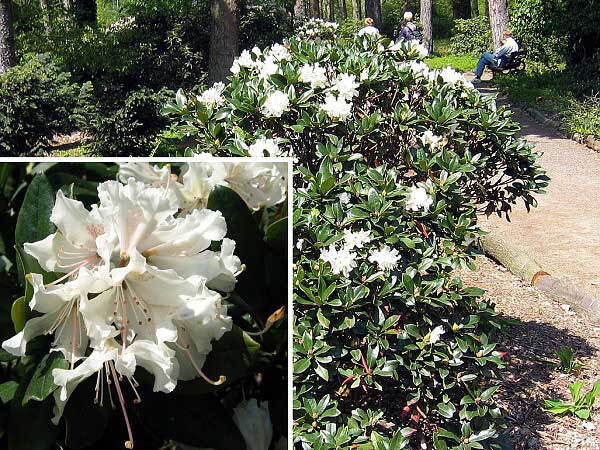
x,y
460,63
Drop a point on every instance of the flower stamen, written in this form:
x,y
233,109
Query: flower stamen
x,y
129,443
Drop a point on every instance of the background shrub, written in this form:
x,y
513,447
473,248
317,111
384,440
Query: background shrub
x,y
130,129
37,101
471,36
264,23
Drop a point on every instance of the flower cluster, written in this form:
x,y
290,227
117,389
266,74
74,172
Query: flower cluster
x,y
318,29
138,279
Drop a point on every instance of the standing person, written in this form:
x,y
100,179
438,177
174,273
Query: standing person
x,y
410,31
499,58
368,28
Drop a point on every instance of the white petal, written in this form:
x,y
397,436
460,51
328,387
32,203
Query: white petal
x,y
56,254
159,360
74,222
67,380
190,234
254,423
33,328
258,184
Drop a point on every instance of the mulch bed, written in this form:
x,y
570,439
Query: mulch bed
x,y
532,375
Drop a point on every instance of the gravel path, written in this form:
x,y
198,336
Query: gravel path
x,y
531,377
563,232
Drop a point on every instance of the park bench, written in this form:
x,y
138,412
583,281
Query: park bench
x,y
515,64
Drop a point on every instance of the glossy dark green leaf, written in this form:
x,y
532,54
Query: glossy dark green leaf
x,y
8,390
42,382
33,222
19,313
243,229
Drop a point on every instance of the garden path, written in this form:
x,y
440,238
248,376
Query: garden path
x,y
563,232
542,328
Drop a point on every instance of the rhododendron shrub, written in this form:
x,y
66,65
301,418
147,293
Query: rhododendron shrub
x,y
394,163
151,293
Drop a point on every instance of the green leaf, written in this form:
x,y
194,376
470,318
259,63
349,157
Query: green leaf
x,y
277,232
19,313
8,390
447,410
42,382
33,222
243,229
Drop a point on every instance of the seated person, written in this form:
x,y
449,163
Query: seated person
x,y
368,28
499,57
408,28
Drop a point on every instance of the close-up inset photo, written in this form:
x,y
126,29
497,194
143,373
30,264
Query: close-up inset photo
x,y
144,305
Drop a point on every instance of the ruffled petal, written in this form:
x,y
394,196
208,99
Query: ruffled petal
x,y
68,379
159,360
188,235
74,222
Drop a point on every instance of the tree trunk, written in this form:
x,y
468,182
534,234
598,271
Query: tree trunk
x,y
474,8
498,19
356,12
426,22
343,10
461,9
373,10
7,41
315,9
332,10
224,38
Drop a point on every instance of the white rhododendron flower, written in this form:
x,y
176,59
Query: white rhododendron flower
x,y
451,76
385,258
258,184
276,104
313,74
418,199
346,86
143,276
337,108
267,68
344,198
342,261
254,423
280,52
436,334
264,147
356,239
213,97
245,59
430,139
418,68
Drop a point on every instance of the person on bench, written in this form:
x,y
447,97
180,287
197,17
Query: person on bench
x,y
499,58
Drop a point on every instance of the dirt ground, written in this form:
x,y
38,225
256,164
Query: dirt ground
x,y
530,378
